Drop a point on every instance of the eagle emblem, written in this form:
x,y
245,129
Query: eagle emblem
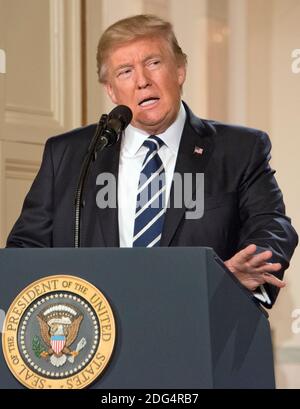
x,y
59,326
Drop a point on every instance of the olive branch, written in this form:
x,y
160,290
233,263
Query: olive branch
x,y
37,346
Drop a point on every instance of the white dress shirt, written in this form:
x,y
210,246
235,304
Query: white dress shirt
x,y
131,159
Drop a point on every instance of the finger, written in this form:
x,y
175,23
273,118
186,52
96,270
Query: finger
x,y
245,254
270,279
260,259
252,282
269,268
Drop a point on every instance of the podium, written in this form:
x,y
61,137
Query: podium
x,y
182,320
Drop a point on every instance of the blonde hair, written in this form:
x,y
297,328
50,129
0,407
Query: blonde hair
x,y
135,27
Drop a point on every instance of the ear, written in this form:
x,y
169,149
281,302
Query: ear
x,y
181,74
110,92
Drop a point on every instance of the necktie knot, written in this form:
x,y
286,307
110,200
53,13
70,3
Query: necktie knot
x,y
153,143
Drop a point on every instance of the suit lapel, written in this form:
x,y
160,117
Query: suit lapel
x,y
196,134
107,218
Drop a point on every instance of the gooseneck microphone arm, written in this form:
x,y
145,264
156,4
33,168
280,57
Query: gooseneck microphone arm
x,y
108,132
83,176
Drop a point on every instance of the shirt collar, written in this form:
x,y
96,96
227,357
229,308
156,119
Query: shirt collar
x,y
133,138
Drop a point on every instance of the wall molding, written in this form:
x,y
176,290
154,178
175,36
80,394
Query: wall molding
x,y
74,11
2,61
21,169
63,110
20,114
57,39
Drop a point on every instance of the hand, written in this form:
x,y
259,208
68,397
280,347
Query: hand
x,y
253,270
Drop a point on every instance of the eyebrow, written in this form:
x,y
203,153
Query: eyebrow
x,y
119,67
128,65
151,56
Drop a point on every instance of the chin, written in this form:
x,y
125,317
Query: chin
x,y
150,118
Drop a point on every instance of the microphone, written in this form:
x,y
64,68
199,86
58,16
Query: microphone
x,y
108,132
118,119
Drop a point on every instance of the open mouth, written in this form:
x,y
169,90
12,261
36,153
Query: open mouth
x,y
148,101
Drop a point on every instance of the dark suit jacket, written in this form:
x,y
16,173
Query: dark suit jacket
x,y
242,202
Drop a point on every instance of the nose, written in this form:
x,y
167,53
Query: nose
x,y
142,79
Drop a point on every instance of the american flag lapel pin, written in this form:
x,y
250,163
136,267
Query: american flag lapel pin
x,y
198,150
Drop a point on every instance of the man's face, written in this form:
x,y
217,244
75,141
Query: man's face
x,y
144,75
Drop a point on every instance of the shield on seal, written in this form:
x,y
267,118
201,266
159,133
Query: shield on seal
x,y
57,343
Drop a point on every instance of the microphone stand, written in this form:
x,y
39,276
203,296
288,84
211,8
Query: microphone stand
x,y
98,143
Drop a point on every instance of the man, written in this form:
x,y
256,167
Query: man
x,y
142,66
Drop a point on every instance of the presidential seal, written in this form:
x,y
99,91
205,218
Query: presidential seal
x,y
58,333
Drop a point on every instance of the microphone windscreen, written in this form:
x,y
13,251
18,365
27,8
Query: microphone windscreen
x,y
123,113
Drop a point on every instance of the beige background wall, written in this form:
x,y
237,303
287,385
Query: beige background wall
x,y
240,70
40,92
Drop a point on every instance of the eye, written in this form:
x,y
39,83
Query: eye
x,y
154,63
124,73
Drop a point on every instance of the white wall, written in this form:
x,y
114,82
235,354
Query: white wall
x,y
40,93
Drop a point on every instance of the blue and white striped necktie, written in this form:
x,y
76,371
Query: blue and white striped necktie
x,y
150,208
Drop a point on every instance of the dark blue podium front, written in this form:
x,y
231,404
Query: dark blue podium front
x,y
182,320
